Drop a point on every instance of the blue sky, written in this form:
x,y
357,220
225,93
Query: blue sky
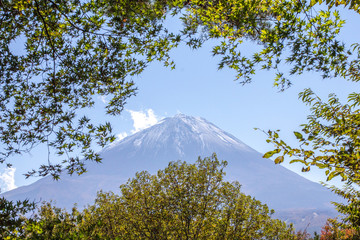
x,y
197,88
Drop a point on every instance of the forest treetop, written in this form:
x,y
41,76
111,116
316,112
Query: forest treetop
x,y
182,201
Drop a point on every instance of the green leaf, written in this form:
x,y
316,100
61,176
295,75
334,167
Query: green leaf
x,y
310,138
268,154
298,135
271,153
298,160
331,176
305,169
279,159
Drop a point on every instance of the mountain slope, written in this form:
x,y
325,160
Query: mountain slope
x,y
186,138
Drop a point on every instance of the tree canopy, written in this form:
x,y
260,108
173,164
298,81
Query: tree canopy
x,y
329,141
183,201
58,56
12,216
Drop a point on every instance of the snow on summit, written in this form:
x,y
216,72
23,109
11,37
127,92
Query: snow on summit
x,y
182,130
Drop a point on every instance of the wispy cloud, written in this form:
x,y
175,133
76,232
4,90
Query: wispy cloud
x,y
143,119
7,180
121,136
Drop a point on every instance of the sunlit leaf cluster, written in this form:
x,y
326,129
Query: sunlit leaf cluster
x,y
285,32
351,4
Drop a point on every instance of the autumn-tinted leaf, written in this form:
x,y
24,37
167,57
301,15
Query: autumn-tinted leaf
x,y
279,159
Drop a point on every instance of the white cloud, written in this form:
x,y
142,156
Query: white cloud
x,y
143,119
7,180
103,99
121,136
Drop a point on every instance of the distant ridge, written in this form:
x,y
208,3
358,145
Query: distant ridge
x,y
185,137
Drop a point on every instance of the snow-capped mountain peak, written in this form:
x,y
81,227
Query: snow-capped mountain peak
x,y
182,132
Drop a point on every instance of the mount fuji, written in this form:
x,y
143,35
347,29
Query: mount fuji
x,y
294,198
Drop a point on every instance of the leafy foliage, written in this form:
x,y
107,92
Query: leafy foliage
x,y
332,231
183,201
330,141
12,217
73,51
52,223
352,4
286,32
